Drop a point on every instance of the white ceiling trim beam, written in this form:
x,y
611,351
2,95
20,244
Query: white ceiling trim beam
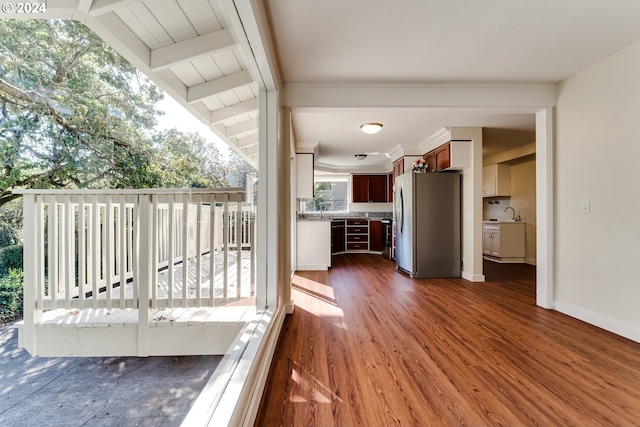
x,y
240,128
214,87
301,95
247,141
250,151
234,110
100,7
84,5
116,34
207,44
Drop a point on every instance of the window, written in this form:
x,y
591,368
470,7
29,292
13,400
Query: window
x,y
330,194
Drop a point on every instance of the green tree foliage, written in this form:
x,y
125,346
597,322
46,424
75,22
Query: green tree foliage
x,y
11,258
10,223
11,296
238,170
73,113
182,160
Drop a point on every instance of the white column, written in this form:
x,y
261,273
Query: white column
x,y
544,208
32,315
144,270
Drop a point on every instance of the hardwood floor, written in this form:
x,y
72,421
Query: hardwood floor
x,y
369,346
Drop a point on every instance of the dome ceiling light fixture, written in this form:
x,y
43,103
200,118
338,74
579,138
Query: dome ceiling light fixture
x,y
359,156
371,128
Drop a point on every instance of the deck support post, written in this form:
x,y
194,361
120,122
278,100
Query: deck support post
x,y
144,237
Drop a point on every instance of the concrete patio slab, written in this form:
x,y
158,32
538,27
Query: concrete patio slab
x,y
110,391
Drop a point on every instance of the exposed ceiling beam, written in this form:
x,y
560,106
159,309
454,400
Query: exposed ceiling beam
x,y
243,107
215,87
249,151
207,44
509,96
84,5
100,7
241,128
247,141
120,37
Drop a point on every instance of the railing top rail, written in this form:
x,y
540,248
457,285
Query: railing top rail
x,y
161,191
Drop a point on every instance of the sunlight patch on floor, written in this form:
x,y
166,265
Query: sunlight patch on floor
x,y
317,299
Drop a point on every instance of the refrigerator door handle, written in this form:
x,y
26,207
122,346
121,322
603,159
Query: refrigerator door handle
x,y
401,211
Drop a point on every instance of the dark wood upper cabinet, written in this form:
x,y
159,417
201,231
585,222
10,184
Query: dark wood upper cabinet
x,y
452,155
369,188
430,158
360,190
398,167
378,188
443,156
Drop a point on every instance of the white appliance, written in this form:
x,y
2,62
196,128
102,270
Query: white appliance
x,y
427,220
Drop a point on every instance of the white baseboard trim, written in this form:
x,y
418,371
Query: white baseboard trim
x,y
312,267
288,308
473,277
530,261
606,323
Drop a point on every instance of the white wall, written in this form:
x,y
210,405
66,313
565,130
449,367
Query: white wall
x,y
597,256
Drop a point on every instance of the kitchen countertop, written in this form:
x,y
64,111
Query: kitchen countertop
x,y
342,217
504,221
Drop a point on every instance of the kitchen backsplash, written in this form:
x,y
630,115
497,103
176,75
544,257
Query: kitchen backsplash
x,y
493,208
330,215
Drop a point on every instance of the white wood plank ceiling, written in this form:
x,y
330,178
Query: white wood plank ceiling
x,y
188,49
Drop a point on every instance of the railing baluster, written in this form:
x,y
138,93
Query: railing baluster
x,y
52,224
70,277
82,254
95,255
154,251
212,253
185,248
108,237
252,249
225,242
172,224
38,228
133,218
122,249
199,251
238,249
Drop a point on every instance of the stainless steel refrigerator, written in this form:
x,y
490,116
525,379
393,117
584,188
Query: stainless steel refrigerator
x,y
427,220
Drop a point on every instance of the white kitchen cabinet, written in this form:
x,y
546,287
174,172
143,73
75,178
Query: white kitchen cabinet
x,y
496,180
503,241
313,245
304,176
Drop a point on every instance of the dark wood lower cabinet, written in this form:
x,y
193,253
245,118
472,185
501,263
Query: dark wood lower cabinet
x,y
337,236
375,236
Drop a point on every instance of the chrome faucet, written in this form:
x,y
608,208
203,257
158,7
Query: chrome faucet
x,y
513,214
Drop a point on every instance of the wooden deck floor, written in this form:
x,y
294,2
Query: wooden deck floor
x,y
236,287
368,346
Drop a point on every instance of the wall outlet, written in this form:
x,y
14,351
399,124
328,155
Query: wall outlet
x,y
586,208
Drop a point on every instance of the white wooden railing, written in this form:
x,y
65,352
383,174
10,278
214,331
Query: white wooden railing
x,y
125,248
